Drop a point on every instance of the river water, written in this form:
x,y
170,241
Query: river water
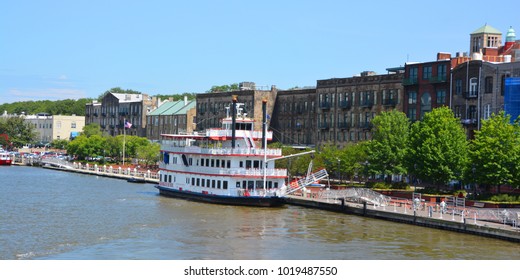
x,y
55,215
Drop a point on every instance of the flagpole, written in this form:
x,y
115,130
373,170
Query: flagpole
x,y
124,140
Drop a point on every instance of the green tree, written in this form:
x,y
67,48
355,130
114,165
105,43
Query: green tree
x,y
495,152
352,159
150,153
59,144
438,148
18,131
224,88
387,149
92,129
117,90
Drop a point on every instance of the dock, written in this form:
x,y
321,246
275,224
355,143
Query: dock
x,y
396,211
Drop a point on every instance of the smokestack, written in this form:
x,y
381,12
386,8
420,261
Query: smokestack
x,y
233,120
264,120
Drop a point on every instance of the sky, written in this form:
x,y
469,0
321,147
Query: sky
x,y
60,49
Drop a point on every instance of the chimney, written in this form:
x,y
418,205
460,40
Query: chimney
x,y
185,100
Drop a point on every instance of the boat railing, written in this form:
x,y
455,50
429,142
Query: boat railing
x,y
238,133
223,151
257,172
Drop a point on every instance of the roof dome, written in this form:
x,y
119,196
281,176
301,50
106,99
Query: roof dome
x,y
510,37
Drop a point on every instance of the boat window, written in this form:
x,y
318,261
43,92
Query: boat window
x,y
212,163
193,181
203,183
228,164
218,184
166,158
256,164
238,185
190,161
207,183
259,184
241,164
207,162
244,184
250,185
248,164
202,162
198,182
213,184
270,184
225,184
275,185
217,163
170,179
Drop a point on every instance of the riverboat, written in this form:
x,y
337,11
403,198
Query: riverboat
x,y
229,165
5,158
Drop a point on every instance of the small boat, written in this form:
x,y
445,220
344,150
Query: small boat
x,y
5,158
229,165
136,180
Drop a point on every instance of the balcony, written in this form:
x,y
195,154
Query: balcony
x,y
365,125
325,105
389,102
468,122
324,126
435,80
366,103
470,94
410,81
343,125
345,105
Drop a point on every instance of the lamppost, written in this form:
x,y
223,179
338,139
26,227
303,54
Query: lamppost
x,y
339,170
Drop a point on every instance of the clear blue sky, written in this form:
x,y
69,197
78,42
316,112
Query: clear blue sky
x,y
59,49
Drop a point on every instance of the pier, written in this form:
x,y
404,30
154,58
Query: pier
x,y
398,210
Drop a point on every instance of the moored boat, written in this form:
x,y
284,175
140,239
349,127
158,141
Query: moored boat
x,y
5,158
229,165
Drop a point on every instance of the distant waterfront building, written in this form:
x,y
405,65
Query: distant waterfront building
x,y
426,86
294,117
212,107
171,117
57,127
116,108
345,107
478,91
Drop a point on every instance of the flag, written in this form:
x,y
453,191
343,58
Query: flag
x,y
127,124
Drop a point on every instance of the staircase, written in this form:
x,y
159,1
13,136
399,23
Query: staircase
x,y
311,178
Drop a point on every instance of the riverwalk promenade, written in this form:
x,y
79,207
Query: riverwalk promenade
x,y
502,224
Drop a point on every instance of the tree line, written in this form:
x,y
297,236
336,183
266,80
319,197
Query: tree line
x,y
434,150
93,144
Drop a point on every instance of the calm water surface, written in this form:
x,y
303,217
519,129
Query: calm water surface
x,y
47,214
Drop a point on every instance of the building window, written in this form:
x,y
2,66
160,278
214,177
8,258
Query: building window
x,y
413,74
457,111
473,87
441,97
458,86
426,103
441,72
73,125
472,113
412,97
487,111
488,85
412,114
427,72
